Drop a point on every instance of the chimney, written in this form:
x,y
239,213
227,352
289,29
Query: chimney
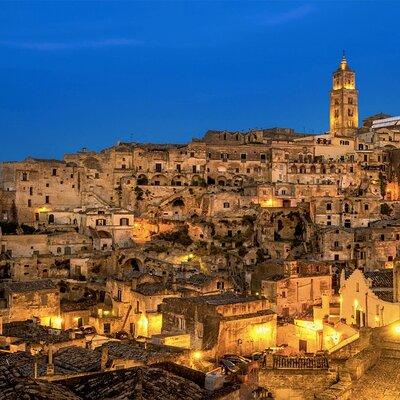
x,y
396,281
50,365
104,358
35,368
138,391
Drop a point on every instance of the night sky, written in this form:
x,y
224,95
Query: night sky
x,y
88,74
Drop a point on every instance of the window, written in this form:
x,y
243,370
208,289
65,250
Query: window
x,y
226,205
124,221
192,154
158,167
328,206
357,287
194,168
366,207
178,167
119,295
47,199
29,203
220,285
382,237
336,257
31,191
54,172
106,328
24,176
243,157
263,157
100,222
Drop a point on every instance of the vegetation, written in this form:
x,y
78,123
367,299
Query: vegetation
x,y
139,193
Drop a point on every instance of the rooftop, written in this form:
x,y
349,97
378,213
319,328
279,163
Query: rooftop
x,y
31,286
222,299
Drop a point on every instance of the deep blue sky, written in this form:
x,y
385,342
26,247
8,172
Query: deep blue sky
x,y
88,74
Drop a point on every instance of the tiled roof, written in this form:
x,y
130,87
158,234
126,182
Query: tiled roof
x,y
221,299
151,383
15,386
34,333
385,295
380,279
32,286
149,288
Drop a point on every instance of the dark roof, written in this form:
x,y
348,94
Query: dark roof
x,y
32,286
153,383
222,299
385,295
150,288
380,279
196,280
15,368
34,333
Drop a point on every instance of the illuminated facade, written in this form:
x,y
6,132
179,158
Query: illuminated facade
x,y
344,101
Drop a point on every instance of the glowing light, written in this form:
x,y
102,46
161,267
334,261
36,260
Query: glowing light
x,y
397,329
143,325
43,209
269,203
106,312
197,355
260,330
376,318
56,322
335,337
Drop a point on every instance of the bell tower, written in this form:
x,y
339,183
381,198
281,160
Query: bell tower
x,y
344,101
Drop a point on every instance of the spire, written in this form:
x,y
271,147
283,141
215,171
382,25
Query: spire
x,y
343,63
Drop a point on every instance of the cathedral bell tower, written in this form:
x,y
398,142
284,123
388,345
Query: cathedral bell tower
x,y
344,101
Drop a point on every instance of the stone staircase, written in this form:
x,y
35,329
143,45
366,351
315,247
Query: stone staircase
x,y
390,349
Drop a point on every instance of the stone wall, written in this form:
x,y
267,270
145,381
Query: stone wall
x,y
299,385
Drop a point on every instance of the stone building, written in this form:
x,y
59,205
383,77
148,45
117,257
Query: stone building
x,y
222,323
295,290
36,299
370,299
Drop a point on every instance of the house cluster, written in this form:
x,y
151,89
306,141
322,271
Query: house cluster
x,y
236,243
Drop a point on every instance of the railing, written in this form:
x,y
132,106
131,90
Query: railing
x,y
298,362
